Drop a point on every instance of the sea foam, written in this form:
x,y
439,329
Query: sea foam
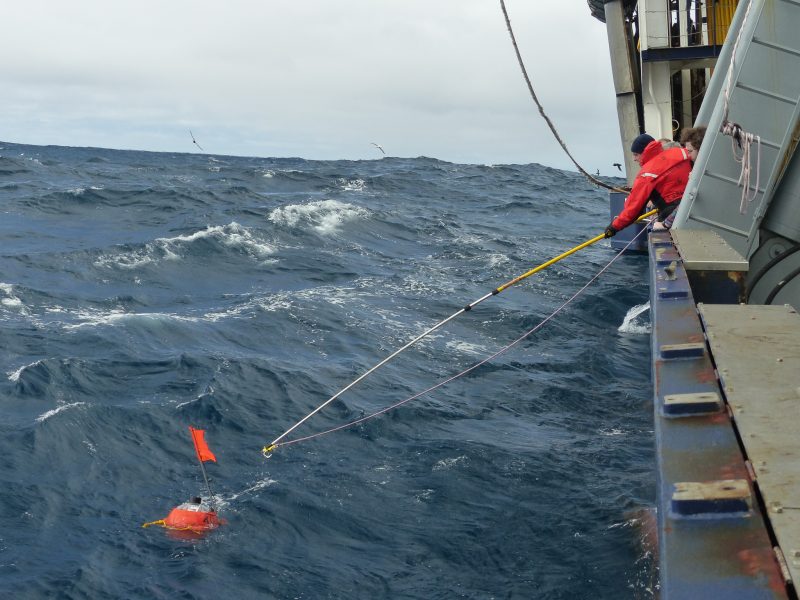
x,y
324,216
15,375
232,236
632,323
46,415
11,300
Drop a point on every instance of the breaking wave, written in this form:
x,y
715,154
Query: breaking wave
x,y
226,238
636,320
323,216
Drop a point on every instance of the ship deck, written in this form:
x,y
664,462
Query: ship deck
x,y
756,350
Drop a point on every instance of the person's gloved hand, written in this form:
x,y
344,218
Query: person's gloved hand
x,y
610,230
658,226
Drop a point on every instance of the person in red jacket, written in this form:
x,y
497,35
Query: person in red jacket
x,y
661,180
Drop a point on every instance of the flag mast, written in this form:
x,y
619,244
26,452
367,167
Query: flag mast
x,y
199,433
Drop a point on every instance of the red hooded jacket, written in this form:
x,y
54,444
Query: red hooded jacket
x,y
662,179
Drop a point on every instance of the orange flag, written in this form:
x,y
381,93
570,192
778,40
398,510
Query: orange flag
x,y
200,446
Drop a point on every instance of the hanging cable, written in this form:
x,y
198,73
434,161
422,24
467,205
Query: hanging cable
x,y
755,278
591,178
780,285
275,443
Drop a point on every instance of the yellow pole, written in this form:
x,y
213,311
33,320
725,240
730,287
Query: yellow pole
x,y
552,261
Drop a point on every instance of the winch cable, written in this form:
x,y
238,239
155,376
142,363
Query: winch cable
x,y
276,442
591,178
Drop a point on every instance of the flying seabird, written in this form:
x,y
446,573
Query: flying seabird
x,y
194,141
378,146
619,166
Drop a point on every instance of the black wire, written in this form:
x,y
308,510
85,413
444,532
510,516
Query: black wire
x,y
781,284
763,270
552,127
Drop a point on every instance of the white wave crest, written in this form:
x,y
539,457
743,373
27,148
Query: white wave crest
x,y
467,348
15,375
324,216
448,463
352,185
498,259
260,485
611,431
284,301
232,236
93,318
279,301
44,416
632,323
80,191
424,495
11,300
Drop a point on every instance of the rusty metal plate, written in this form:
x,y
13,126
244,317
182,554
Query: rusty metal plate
x,y
724,497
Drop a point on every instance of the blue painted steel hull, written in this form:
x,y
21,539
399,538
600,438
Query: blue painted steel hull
x,y
707,548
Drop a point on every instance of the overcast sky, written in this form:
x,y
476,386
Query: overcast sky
x,y
319,79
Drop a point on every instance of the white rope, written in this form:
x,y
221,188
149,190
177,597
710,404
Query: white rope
x,y
740,137
743,139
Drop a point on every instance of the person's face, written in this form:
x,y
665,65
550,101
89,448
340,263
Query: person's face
x,y
638,158
691,151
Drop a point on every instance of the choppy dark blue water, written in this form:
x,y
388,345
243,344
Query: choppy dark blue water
x,y
141,293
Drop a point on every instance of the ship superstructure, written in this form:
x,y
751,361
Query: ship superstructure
x,y
725,286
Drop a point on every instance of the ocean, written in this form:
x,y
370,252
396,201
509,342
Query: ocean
x,y
141,293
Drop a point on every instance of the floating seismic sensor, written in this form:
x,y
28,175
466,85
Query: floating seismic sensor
x,y
195,516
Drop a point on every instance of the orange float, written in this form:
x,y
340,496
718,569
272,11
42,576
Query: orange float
x,y
194,516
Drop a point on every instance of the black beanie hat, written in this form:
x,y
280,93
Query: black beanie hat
x,y
640,143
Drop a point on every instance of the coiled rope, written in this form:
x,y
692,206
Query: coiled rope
x,y
591,178
739,137
277,442
744,140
